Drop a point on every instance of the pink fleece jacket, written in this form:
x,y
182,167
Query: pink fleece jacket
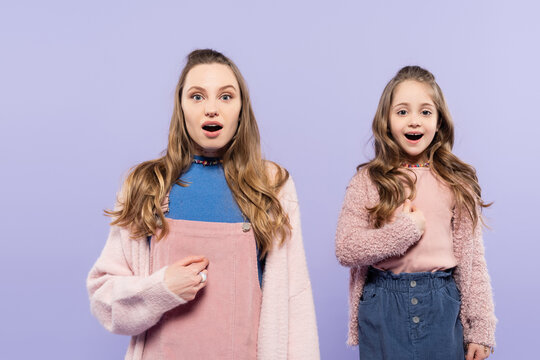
x,y
359,245
126,299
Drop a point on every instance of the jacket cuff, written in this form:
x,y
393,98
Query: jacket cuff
x,y
163,299
480,331
406,228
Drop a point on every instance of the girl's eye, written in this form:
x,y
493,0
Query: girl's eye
x,y
402,112
426,112
226,97
197,97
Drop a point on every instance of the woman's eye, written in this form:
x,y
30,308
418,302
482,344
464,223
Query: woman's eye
x,y
226,97
402,112
197,97
426,112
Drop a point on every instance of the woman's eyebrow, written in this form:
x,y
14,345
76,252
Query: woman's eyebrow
x,y
227,86
198,88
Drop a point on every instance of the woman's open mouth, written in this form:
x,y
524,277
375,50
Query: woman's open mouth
x,y
212,128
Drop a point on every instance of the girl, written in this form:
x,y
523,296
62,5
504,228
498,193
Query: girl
x,y
410,230
205,258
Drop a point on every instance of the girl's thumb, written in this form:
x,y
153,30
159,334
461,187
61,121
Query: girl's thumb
x,y
407,206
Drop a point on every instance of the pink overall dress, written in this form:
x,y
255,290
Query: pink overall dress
x,y
222,321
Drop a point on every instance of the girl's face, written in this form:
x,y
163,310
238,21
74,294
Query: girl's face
x,y
211,104
413,119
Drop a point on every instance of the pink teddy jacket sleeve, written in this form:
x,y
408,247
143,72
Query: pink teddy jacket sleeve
x,y
357,243
472,278
121,297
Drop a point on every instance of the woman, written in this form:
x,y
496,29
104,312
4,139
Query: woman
x,y
205,258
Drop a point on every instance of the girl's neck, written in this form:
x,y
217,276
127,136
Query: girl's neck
x,y
420,161
415,165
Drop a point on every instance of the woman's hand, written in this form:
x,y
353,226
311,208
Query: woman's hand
x,y
477,352
416,215
183,278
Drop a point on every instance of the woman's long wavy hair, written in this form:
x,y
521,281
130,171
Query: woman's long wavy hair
x,y
254,182
393,181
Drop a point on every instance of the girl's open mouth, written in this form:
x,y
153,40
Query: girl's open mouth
x,y
414,137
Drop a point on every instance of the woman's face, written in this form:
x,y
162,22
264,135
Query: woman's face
x,y
211,102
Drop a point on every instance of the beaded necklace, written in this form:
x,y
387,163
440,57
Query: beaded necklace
x,y
404,164
207,162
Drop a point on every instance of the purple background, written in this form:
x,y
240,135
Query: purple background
x,y
87,91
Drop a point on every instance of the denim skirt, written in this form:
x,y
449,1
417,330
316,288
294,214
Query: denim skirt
x,y
410,316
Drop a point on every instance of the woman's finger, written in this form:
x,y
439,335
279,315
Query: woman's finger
x,y
197,267
204,275
202,283
190,260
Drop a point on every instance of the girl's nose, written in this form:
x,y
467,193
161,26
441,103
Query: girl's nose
x,y
414,122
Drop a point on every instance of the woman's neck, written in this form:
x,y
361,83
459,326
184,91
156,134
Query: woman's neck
x,y
209,153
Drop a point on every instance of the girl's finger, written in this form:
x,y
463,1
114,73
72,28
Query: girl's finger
x,y
407,206
470,353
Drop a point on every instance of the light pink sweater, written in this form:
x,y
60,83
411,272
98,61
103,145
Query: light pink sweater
x,y
127,300
358,245
434,251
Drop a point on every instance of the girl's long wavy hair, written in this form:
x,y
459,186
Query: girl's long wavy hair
x,y
393,181
254,182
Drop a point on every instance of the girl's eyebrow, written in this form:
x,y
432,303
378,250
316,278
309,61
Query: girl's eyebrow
x,y
400,104
407,104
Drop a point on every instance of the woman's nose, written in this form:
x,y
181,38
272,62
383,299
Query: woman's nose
x,y
211,109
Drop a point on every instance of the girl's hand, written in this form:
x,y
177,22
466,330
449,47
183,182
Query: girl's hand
x,y
183,278
477,352
416,215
